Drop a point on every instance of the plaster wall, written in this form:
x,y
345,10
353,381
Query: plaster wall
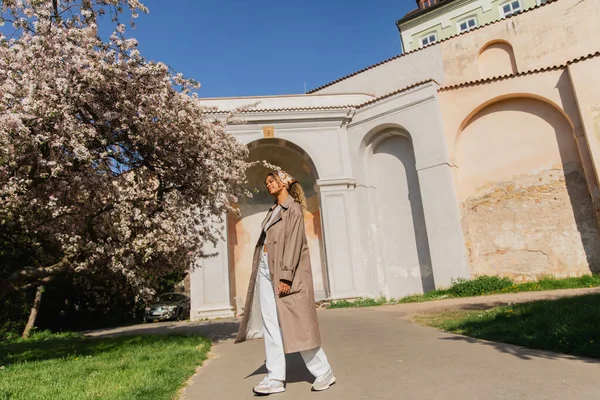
x,y
551,35
586,86
523,176
391,75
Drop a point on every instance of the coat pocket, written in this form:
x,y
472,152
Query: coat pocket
x,y
291,293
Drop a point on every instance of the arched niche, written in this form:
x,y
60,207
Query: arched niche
x,y
396,208
497,58
244,230
526,208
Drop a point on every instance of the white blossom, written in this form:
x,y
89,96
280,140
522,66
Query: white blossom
x,y
101,159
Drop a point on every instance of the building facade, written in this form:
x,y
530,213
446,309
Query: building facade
x,y
436,20
476,155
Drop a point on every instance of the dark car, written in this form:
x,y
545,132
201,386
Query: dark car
x,y
168,307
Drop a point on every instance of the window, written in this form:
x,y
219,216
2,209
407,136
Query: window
x,y
428,39
467,24
511,8
427,3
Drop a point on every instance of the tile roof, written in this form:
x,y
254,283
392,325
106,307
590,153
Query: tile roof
x,y
430,45
523,73
341,107
395,92
415,13
252,110
420,83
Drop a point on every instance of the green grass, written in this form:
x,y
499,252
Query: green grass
x,y
479,286
69,366
569,325
485,285
360,302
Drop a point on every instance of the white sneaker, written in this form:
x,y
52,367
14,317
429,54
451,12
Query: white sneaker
x,y
323,382
269,386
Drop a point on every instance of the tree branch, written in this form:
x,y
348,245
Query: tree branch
x,y
15,281
55,7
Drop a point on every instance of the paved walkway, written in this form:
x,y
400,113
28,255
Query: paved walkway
x,y
378,353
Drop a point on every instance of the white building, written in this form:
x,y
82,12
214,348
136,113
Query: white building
x,y
388,157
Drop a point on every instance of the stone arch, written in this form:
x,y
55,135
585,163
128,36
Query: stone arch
x,y
526,207
304,151
497,58
401,245
508,96
244,231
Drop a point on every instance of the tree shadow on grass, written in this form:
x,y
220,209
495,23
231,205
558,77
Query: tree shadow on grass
x,y
216,331
72,347
563,328
98,342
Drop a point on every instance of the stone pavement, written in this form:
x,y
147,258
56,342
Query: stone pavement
x,y
378,353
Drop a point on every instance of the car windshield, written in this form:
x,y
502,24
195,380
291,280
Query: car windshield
x,y
169,297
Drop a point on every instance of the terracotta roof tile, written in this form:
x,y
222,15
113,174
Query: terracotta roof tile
x,y
415,13
253,110
341,107
420,83
523,73
430,45
395,92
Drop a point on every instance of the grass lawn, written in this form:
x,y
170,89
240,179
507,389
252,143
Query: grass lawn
x,y
569,325
70,366
479,286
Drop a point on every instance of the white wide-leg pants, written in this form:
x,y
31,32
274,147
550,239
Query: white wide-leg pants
x,y
315,359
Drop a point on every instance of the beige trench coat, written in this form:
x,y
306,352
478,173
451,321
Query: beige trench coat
x,y
289,260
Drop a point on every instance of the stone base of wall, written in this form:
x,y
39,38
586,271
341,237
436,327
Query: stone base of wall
x,y
200,314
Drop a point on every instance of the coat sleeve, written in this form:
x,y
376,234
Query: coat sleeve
x,y
293,245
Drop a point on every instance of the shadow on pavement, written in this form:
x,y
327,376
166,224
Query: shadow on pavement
x,y
296,370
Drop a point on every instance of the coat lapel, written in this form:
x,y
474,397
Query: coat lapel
x,y
284,206
262,227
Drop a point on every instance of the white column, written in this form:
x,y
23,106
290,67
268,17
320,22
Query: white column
x,y
442,219
337,228
209,285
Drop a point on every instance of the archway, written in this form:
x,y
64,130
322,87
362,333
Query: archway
x,y
244,231
402,244
526,208
497,58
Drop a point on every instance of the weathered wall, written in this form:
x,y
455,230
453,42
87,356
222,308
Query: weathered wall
x,y
526,208
456,105
551,35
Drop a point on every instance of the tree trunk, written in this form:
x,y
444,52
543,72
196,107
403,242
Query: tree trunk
x,y
34,311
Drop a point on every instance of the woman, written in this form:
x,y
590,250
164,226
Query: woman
x,y
280,304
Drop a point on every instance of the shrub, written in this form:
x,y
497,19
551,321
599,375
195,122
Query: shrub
x,y
480,285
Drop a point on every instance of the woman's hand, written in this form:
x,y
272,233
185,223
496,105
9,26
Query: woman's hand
x,y
284,288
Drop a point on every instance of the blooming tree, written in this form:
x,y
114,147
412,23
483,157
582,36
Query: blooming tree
x,y
106,159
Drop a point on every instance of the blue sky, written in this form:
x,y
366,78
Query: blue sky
x,y
264,47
